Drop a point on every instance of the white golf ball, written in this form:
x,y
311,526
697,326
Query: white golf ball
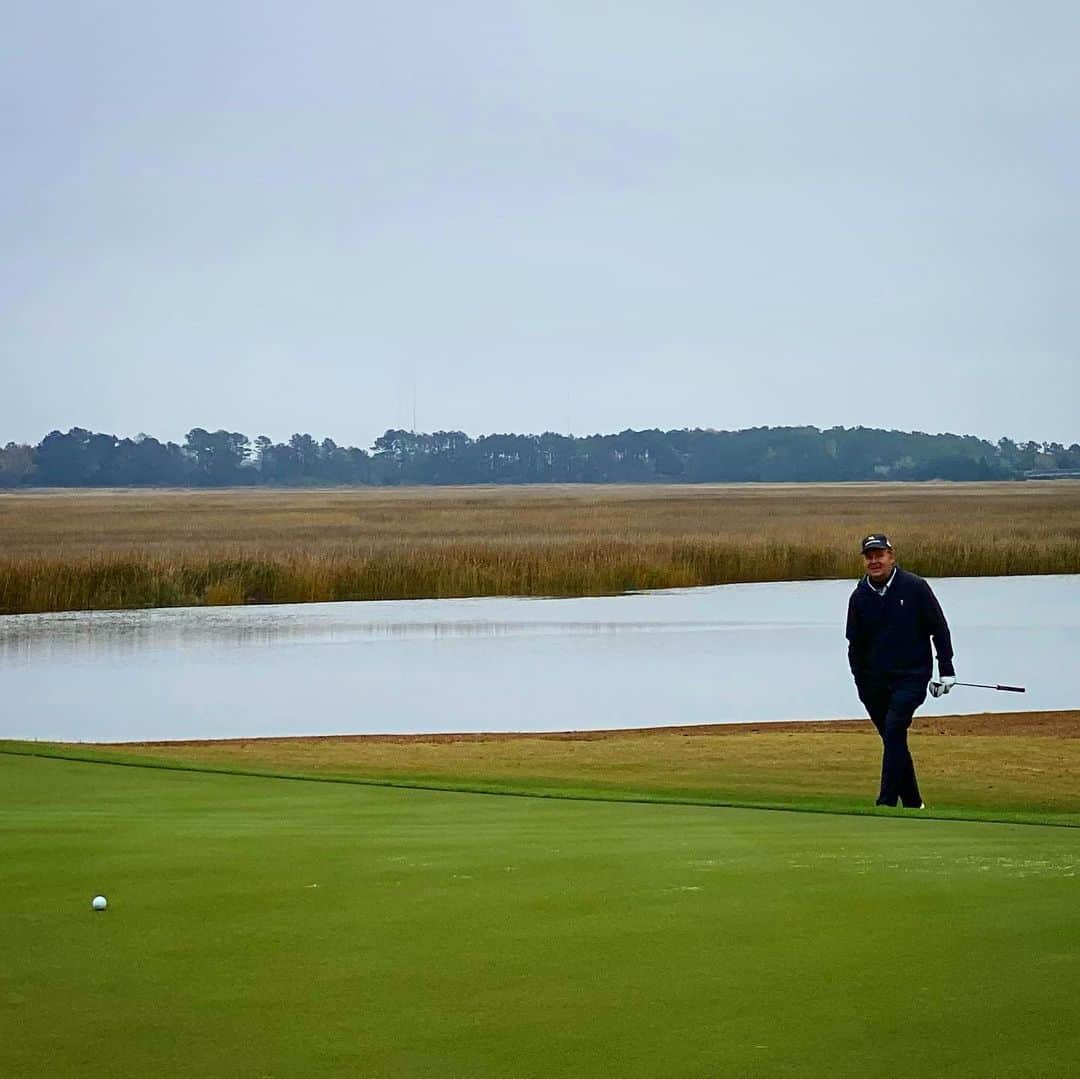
x,y
99,902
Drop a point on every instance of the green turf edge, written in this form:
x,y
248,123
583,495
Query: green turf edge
x,y
541,788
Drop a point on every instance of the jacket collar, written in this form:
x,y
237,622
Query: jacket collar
x,y
885,587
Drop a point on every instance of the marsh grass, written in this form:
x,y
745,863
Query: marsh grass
x,y
130,549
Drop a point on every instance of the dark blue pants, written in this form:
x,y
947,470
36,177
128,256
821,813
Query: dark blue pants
x,y
891,705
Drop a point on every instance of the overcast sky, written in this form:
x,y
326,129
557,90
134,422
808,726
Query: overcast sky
x,y
572,216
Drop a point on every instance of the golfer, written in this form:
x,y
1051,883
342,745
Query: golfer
x,y
892,616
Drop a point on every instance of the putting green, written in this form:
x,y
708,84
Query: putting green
x,y
263,927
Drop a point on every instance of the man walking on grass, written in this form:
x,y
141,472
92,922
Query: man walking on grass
x,y
892,615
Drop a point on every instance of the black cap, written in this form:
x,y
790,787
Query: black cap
x,y
876,541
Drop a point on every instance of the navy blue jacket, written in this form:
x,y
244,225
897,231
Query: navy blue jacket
x,y
889,635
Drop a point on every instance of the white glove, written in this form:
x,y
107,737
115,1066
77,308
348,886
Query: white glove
x,y
943,685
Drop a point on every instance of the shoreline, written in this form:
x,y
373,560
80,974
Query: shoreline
x,y
1053,724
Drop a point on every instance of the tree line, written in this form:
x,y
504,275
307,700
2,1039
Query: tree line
x,y
82,458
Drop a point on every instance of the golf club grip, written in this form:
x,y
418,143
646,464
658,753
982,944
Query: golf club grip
x,y
1012,689
983,685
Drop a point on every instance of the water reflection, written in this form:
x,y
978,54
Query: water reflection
x,y
75,635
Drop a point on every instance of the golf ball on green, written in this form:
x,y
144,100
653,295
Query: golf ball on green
x,y
99,902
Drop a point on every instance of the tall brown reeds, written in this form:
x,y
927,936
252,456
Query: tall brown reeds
x,y
166,549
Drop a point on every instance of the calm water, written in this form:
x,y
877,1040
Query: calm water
x,y
708,655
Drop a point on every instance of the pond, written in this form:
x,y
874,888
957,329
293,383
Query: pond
x,y
734,653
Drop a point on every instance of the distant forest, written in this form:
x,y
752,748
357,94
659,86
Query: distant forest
x,y
80,458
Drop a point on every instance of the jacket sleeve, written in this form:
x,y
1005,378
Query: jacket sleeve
x,y
852,634
939,630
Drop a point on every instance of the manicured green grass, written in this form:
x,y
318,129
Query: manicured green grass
x,y
1012,768
460,935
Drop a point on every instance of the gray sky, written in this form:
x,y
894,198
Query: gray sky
x,y
278,217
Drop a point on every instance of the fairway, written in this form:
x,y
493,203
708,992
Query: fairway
x,y
1017,768
269,927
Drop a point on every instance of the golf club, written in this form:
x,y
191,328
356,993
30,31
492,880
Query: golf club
x,y
936,688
